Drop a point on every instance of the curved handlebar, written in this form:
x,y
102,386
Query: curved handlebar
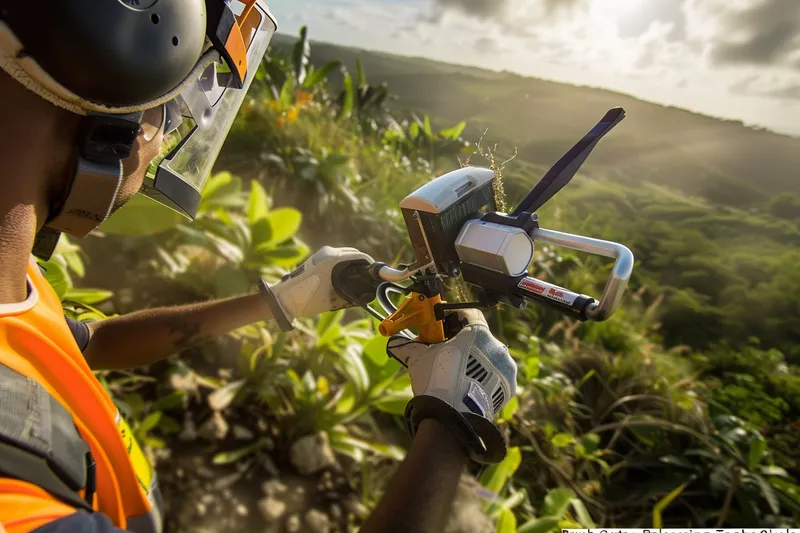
x,y
620,273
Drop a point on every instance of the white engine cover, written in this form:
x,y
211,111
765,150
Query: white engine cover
x,y
500,248
442,192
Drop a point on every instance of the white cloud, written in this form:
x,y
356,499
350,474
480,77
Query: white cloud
x,y
732,58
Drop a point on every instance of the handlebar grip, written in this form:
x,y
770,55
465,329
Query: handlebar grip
x,y
563,300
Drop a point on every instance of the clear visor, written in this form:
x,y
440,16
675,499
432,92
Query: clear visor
x,y
198,121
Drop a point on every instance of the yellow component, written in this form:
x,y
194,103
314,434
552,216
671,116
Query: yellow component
x,y
144,472
416,312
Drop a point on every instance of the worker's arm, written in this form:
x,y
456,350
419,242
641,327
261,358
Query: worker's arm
x,y
420,495
144,337
457,386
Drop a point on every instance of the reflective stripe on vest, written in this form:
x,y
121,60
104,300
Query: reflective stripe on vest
x,y
36,342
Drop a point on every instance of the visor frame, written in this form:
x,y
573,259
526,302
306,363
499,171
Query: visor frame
x,y
178,181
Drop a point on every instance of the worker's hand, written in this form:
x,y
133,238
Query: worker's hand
x,y
463,382
308,291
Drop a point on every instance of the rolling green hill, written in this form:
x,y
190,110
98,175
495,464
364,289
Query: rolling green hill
x,y
722,161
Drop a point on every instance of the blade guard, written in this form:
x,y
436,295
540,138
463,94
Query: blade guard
x,y
416,312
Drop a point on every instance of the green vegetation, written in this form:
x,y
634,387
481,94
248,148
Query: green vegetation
x,y
680,411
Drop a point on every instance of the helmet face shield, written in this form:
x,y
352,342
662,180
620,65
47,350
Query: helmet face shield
x,y
198,120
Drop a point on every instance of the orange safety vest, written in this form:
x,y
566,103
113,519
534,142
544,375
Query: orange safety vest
x,y
36,342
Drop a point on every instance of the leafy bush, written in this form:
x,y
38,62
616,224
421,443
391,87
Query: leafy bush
x,y
671,414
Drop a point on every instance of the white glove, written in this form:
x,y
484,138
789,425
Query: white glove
x,y
308,291
463,383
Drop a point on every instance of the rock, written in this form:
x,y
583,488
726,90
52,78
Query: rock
x,y
215,428
200,507
225,482
356,508
311,454
336,512
207,498
241,510
317,521
271,509
242,433
293,524
183,381
273,487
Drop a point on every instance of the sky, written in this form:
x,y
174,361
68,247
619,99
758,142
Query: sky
x,y
737,59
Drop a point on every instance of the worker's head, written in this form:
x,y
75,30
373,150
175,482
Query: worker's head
x,y
101,99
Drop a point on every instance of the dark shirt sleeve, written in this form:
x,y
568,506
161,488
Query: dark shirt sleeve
x,y
80,331
80,522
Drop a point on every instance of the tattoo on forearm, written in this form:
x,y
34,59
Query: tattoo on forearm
x,y
188,333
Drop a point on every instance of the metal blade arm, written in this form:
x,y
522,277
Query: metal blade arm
x,y
565,168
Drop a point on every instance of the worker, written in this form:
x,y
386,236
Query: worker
x,y
104,99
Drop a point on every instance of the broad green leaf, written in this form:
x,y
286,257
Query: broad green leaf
x,y
141,216
375,349
57,276
556,503
222,190
455,132
426,127
757,448
149,423
394,403
261,234
663,503
222,398
494,478
546,524
231,281
773,471
353,367
582,513
321,75
413,131
348,95
154,442
72,255
788,488
284,223
507,412
258,205
590,442
401,383
287,256
88,296
347,400
172,400
326,320
562,440
506,522
287,93
768,492
233,456
168,424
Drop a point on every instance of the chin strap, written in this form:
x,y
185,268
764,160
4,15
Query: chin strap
x,y
105,140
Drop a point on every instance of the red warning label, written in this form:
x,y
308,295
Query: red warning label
x,y
530,285
549,291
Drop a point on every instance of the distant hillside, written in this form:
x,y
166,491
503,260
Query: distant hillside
x,y
723,161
